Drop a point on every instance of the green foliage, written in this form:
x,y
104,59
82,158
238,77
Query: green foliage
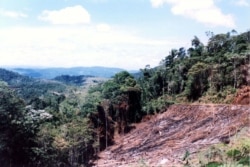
x,y
197,82
17,130
91,101
234,153
200,70
240,154
50,131
213,164
70,144
244,160
156,106
123,88
29,88
73,80
110,89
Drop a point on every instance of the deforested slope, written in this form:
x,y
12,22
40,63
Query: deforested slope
x,y
165,138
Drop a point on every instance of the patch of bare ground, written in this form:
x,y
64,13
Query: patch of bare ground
x,y
243,96
164,139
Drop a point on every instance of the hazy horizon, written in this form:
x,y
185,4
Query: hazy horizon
x,y
44,67
126,34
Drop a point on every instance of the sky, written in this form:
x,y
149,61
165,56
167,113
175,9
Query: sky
x,y
128,34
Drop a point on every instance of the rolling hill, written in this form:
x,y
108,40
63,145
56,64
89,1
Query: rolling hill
x,y
49,73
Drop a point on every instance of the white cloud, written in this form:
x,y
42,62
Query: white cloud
x,y
12,14
204,11
103,27
69,15
241,2
157,3
80,46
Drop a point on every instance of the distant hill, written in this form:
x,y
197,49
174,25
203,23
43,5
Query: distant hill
x,y
27,87
50,73
14,79
78,80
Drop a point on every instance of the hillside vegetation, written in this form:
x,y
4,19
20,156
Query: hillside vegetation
x,y
50,123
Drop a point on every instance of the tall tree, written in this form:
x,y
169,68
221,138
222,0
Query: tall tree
x,y
17,130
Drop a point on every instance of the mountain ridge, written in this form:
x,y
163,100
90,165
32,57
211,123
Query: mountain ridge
x,y
52,72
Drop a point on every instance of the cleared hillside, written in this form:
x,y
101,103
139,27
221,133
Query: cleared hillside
x,y
164,139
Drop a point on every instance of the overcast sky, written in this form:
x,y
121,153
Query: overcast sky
x,y
114,33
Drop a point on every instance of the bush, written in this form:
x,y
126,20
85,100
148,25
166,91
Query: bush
x,y
234,153
245,161
213,164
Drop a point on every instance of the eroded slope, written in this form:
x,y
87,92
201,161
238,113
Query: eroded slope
x,y
165,138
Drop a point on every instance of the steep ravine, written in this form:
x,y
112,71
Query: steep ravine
x,y
164,139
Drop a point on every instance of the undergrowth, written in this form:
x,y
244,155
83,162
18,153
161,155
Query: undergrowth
x,y
235,154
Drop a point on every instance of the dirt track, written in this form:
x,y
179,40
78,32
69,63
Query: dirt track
x,y
164,139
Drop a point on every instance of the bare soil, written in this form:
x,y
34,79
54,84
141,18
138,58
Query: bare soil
x,y
164,139
243,96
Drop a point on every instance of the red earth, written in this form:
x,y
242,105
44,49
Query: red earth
x,y
243,96
163,139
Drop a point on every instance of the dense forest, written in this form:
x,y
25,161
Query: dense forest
x,y
56,123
